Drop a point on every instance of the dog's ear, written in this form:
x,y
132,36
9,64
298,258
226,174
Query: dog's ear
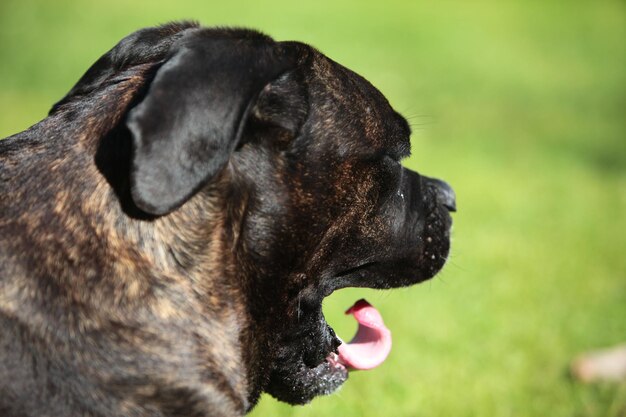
x,y
188,124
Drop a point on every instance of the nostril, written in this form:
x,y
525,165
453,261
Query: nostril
x,y
444,193
449,202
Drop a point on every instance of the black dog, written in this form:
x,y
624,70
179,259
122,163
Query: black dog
x,y
168,233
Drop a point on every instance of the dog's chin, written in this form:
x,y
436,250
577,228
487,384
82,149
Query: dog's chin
x,y
307,364
299,384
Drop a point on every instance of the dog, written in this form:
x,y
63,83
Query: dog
x,y
169,231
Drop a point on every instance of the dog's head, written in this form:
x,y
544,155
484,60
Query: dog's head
x,y
305,155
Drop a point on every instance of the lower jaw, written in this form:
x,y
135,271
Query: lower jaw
x,y
307,383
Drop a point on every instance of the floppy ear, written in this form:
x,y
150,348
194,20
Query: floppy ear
x,y
192,116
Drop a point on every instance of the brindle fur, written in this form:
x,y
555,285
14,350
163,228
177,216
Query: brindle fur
x,y
108,309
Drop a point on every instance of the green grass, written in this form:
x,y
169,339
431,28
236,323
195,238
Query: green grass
x,y
520,105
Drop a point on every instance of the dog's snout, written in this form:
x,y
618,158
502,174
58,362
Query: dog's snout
x,y
444,193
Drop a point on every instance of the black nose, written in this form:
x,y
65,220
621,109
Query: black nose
x,y
445,193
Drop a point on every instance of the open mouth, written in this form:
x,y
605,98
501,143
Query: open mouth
x,y
298,380
314,361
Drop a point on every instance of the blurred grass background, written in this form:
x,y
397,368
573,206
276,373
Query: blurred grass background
x,y
520,105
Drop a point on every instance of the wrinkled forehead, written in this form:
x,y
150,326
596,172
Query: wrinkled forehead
x,y
347,101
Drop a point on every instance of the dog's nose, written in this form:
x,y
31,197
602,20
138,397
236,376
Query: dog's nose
x,y
445,193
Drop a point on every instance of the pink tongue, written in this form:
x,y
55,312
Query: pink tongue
x,y
372,342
